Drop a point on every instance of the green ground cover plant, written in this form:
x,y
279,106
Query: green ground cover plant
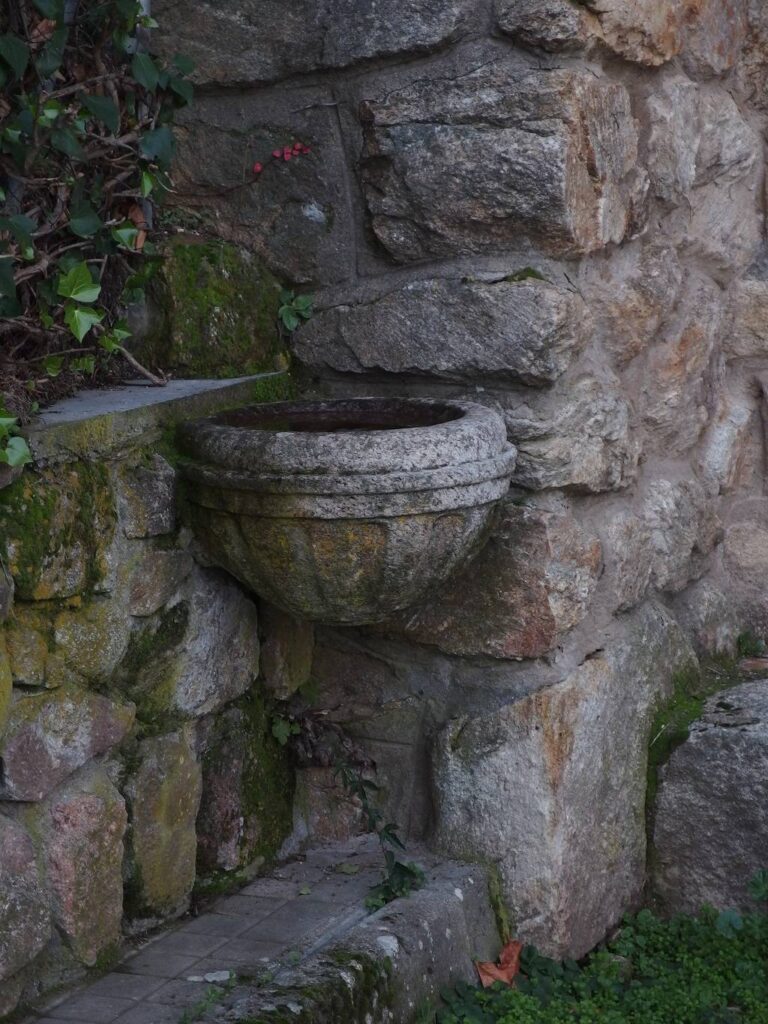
x,y
710,969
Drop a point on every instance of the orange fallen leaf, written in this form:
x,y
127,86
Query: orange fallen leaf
x,y
505,970
136,216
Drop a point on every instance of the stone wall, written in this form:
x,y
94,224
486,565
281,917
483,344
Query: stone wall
x,y
136,754
556,208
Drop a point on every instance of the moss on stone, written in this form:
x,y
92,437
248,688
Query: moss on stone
x,y
147,671
55,528
220,883
331,998
133,890
278,388
266,784
162,790
498,904
218,313
268,780
673,719
29,641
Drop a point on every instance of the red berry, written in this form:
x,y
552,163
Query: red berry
x,y
286,156
257,168
297,147
277,153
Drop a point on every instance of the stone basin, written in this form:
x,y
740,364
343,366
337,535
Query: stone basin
x,y
345,512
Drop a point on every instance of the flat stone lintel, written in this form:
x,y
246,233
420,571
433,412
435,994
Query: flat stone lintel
x,y
103,423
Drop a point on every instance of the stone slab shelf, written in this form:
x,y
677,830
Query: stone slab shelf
x,y
103,423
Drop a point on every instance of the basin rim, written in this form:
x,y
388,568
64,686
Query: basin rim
x,y
475,434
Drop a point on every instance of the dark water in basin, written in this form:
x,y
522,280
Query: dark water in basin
x,y
339,417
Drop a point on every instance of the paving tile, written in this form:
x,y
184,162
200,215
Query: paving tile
x,y
158,963
293,921
245,951
180,992
125,986
149,1013
87,1008
255,907
273,888
225,925
348,891
188,943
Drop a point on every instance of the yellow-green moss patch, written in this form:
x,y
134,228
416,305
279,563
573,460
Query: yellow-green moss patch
x,y
55,528
217,313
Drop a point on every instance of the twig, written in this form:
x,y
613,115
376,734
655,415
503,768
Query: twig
x,y
159,382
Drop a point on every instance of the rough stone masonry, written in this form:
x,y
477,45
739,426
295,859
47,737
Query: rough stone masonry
x,y
549,206
556,208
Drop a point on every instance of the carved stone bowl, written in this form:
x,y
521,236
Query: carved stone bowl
x,y
346,511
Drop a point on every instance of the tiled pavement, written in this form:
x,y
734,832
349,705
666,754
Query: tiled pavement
x,y
279,919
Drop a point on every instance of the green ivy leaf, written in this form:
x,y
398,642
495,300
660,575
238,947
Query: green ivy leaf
x,y
145,71
105,110
52,9
54,365
184,64
128,9
84,364
281,730
66,142
183,89
78,284
147,183
125,235
289,318
51,111
109,343
120,331
15,53
16,452
21,227
52,54
84,221
158,146
9,307
7,284
80,320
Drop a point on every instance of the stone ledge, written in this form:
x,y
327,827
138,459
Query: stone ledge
x,y
104,423
382,968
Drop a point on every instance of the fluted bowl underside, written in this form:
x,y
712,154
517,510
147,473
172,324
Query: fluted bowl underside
x,y
345,512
